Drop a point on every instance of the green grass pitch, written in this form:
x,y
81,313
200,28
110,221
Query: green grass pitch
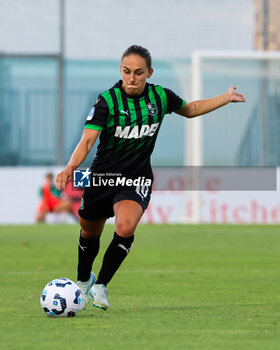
x,y
181,287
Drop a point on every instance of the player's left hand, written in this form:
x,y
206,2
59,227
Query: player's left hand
x,y
235,96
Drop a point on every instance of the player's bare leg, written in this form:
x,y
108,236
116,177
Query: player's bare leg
x,y
127,214
88,250
41,216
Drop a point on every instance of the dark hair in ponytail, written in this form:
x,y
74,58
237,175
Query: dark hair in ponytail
x,y
141,51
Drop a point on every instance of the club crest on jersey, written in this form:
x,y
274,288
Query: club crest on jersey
x,y
152,109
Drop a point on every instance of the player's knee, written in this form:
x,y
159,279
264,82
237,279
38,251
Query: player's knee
x,y
87,234
125,228
92,229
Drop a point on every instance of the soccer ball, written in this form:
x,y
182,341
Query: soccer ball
x,y
61,298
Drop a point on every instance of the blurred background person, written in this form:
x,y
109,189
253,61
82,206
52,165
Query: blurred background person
x,y
52,201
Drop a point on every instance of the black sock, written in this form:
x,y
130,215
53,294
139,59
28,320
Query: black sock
x,y
88,249
113,257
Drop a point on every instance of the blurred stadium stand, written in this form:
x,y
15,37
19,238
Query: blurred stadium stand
x,y
94,37
250,150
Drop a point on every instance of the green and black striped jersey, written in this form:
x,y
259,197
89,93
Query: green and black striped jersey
x,y
129,127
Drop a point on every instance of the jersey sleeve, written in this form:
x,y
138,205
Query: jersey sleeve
x,y
174,102
97,115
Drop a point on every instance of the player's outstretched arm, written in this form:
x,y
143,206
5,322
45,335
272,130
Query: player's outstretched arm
x,y
196,108
79,155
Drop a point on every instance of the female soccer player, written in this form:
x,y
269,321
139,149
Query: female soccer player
x,y
127,117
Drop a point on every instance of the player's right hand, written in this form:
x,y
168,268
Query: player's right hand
x,y
63,178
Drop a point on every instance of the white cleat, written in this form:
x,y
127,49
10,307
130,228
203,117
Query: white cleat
x,y
99,294
85,287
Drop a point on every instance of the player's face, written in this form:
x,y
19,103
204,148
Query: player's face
x,y
134,73
49,179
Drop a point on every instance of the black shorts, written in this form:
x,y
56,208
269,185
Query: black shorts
x,y
97,203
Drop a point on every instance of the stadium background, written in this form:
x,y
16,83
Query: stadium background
x,y
57,56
